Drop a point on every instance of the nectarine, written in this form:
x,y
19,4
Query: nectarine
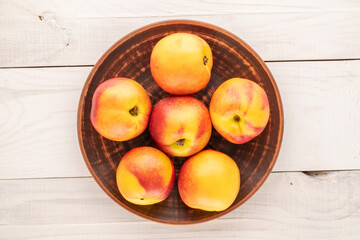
x,y
180,126
181,63
239,110
209,180
145,176
120,109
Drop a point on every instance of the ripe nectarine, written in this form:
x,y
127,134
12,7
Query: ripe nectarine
x,y
239,110
181,63
209,180
145,176
180,126
120,109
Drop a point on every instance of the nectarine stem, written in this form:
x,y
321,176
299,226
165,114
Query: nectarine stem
x,y
180,142
205,59
237,118
134,111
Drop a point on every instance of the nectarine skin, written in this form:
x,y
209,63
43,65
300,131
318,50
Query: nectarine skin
x,y
209,180
239,110
181,63
120,109
180,126
145,176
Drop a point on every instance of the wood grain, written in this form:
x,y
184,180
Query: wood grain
x,y
37,112
141,8
39,106
79,35
130,57
288,206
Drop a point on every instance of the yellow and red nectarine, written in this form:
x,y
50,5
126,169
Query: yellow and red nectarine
x,y
120,109
145,176
181,63
209,180
180,126
239,110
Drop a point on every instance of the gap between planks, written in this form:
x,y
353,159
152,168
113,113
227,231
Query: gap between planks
x,y
312,173
267,61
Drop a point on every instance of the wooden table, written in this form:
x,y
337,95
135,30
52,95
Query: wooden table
x,y
47,49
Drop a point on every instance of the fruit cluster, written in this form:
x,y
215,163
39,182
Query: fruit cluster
x,y
180,125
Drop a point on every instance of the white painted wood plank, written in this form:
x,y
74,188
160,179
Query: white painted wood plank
x,y
142,8
288,206
321,102
38,121
38,135
277,31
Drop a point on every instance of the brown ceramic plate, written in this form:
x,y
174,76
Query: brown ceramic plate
x,y
130,57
